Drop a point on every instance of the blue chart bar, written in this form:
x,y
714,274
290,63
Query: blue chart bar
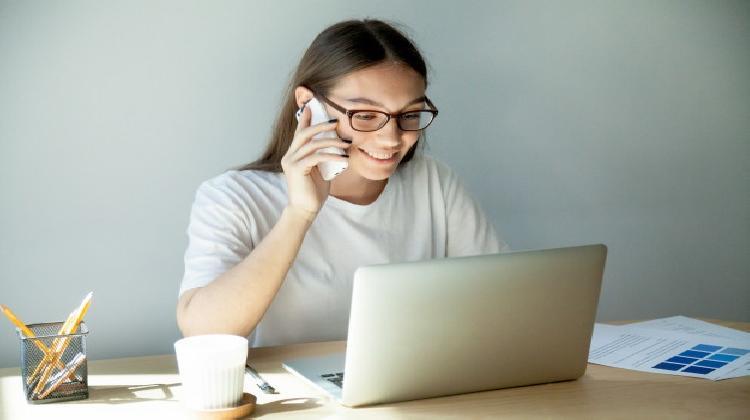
x,y
738,352
680,359
706,347
669,366
698,369
693,353
710,363
723,357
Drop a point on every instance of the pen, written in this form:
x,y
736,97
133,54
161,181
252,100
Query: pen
x,y
262,384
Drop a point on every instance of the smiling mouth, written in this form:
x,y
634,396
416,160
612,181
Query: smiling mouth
x,y
380,156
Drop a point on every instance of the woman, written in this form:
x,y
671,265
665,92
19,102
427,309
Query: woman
x,y
273,247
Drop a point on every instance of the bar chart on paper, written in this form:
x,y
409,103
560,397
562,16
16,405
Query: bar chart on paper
x,y
702,359
676,346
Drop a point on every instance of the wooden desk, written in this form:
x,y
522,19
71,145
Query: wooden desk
x,y
148,387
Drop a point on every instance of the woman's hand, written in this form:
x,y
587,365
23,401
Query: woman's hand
x,y
306,188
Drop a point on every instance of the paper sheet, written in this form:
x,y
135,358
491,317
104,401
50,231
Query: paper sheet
x,y
693,327
676,346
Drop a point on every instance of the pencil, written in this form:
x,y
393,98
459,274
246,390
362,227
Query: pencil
x,y
60,344
58,379
27,332
48,356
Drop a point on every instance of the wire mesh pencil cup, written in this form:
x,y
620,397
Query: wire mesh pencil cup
x,y
53,366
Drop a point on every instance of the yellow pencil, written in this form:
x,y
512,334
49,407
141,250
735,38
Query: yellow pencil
x,y
85,307
61,344
26,331
48,356
58,379
17,322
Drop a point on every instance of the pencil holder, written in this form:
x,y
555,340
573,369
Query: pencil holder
x,y
54,367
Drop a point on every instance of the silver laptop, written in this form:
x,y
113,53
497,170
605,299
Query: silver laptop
x,y
467,324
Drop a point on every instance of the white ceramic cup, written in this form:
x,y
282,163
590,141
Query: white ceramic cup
x,y
212,370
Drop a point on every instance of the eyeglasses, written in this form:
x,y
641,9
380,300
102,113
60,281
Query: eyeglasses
x,y
367,120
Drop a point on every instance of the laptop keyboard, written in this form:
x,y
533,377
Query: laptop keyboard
x,y
334,378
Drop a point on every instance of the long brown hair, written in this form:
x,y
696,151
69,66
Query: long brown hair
x,y
337,51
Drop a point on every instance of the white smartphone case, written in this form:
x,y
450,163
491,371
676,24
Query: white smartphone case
x,y
328,170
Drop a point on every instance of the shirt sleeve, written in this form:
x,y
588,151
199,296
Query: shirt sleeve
x,y
469,232
218,235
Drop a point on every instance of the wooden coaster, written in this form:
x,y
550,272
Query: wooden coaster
x,y
246,407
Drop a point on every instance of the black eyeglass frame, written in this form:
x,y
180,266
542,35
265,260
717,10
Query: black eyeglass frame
x,y
350,113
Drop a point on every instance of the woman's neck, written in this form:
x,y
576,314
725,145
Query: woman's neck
x,y
355,189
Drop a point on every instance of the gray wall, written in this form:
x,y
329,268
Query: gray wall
x,y
623,122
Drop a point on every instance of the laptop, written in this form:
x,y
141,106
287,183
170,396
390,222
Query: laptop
x,y
466,324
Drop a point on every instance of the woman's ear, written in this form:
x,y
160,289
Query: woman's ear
x,y
302,95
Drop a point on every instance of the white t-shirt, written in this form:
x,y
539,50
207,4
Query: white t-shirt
x,y
424,212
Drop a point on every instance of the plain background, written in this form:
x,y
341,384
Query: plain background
x,y
622,122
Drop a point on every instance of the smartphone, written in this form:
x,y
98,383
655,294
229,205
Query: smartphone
x,y
328,170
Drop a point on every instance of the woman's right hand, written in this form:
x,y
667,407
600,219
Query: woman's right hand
x,y
306,188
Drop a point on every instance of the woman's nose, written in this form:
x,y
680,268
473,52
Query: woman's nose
x,y
390,134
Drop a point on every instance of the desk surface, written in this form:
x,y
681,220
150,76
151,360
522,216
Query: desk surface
x,y
149,387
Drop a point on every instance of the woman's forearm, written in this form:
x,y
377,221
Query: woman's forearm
x,y
235,302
